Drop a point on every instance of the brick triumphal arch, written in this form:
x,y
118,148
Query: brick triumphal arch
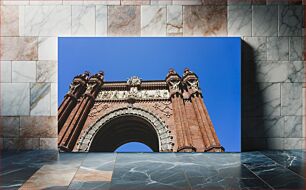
x,y
167,115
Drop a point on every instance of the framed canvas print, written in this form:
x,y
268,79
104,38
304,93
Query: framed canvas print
x,y
154,94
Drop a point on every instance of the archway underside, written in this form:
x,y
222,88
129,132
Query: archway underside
x,y
122,130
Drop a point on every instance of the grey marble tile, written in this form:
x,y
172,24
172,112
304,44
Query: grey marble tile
x,y
83,20
46,71
205,20
213,171
47,48
266,127
153,20
293,126
239,20
161,2
148,171
291,98
51,20
18,48
265,19
272,71
293,159
294,143
40,99
54,104
89,185
189,2
23,71
274,143
296,71
9,126
100,161
48,144
6,71
263,99
278,48
9,21
101,20
278,71
296,49
123,20
290,20
272,173
257,48
174,20
15,99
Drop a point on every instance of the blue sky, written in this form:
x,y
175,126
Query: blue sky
x,y
216,61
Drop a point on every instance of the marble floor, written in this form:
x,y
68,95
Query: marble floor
x,y
248,170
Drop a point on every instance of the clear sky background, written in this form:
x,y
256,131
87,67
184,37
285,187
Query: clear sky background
x,y
216,61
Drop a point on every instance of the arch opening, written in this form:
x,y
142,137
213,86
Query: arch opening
x,y
122,130
133,147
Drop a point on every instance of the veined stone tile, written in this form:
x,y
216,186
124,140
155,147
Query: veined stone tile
x,y
294,143
46,71
47,48
54,94
9,127
265,20
47,20
15,99
292,98
48,143
290,20
153,20
205,21
296,49
50,176
239,2
73,2
46,2
28,144
279,71
214,2
9,21
102,2
23,71
174,20
278,48
239,20
275,143
10,143
123,21
38,126
101,20
263,99
258,48
161,2
18,48
296,71
267,127
83,20
187,2
40,99
15,2
6,71
135,2
271,71
293,127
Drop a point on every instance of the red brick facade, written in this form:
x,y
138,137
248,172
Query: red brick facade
x,y
167,115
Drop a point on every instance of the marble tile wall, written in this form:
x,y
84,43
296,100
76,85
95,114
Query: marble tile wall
x,y
273,65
